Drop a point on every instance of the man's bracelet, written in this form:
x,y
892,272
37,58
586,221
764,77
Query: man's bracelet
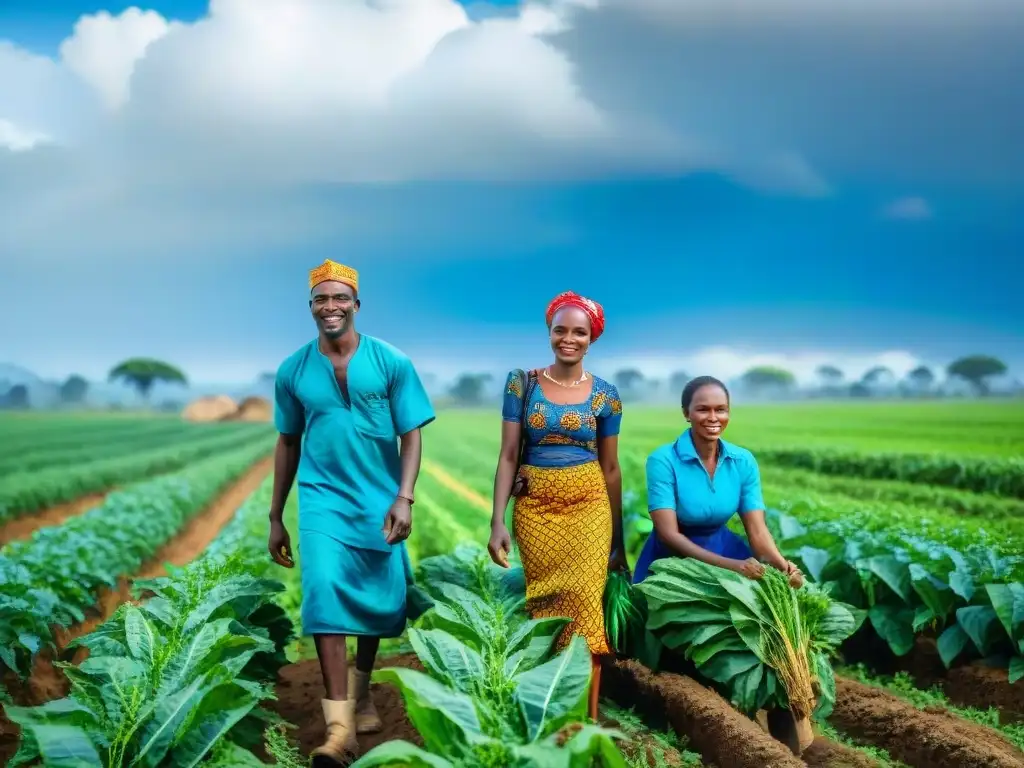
x,y
411,501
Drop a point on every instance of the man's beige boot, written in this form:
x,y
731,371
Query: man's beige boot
x,y
340,747
367,719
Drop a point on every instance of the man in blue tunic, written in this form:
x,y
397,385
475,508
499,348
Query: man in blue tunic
x,y
349,409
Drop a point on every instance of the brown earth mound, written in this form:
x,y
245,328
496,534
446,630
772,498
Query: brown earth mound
x,y
253,409
711,726
828,754
967,685
299,691
932,737
214,408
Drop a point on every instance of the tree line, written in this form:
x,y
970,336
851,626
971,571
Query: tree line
x,y
975,371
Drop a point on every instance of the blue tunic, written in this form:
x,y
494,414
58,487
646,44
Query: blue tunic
x,y
353,581
678,480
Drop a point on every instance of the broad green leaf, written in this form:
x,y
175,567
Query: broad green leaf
x,y
981,624
814,561
168,713
217,713
65,746
895,626
226,592
458,624
725,666
951,644
555,692
936,595
445,718
1016,669
1008,603
549,628
826,678
591,745
448,659
923,618
892,572
962,584
401,754
744,687
139,635
839,623
702,654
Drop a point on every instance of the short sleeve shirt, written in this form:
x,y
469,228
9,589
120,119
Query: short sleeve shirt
x,y
677,480
350,469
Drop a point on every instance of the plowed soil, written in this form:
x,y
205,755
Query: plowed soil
x,y
711,726
827,754
201,530
47,682
24,526
926,738
300,689
967,685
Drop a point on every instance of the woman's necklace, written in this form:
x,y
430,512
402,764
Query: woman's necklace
x,y
576,383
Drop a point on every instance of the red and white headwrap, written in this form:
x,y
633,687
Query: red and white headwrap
x,y
592,309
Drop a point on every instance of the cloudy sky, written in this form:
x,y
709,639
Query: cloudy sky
x,y
792,181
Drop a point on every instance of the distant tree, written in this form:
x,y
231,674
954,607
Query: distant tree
x,y
469,388
677,381
829,375
977,369
627,379
142,373
74,389
921,378
768,377
16,397
877,375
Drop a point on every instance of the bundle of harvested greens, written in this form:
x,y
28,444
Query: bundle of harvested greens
x,y
762,642
624,613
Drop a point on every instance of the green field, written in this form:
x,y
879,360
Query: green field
x,y
912,512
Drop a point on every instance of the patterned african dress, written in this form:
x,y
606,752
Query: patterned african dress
x,y
563,525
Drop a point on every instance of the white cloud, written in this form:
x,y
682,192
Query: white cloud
x,y
17,140
263,99
908,208
104,49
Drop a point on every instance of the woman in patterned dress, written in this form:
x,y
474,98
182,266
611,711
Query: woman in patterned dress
x,y
568,510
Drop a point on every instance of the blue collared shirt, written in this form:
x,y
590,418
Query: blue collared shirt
x,y
677,480
350,469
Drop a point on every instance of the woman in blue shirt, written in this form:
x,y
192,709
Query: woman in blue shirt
x,y
697,483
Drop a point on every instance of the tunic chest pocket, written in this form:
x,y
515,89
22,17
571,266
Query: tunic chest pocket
x,y
373,417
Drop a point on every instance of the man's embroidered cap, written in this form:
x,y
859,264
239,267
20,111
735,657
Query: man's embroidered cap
x,y
332,270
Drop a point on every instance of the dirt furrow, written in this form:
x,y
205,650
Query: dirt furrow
x,y
824,753
24,526
300,689
711,726
931,738
46,682
967,685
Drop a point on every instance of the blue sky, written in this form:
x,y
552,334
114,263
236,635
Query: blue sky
x,y
730,195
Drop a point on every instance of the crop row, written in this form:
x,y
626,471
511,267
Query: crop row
x,y
86,446
55,576
496,693
1005,536
180,676
997,476
968,598
986,508
32,491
